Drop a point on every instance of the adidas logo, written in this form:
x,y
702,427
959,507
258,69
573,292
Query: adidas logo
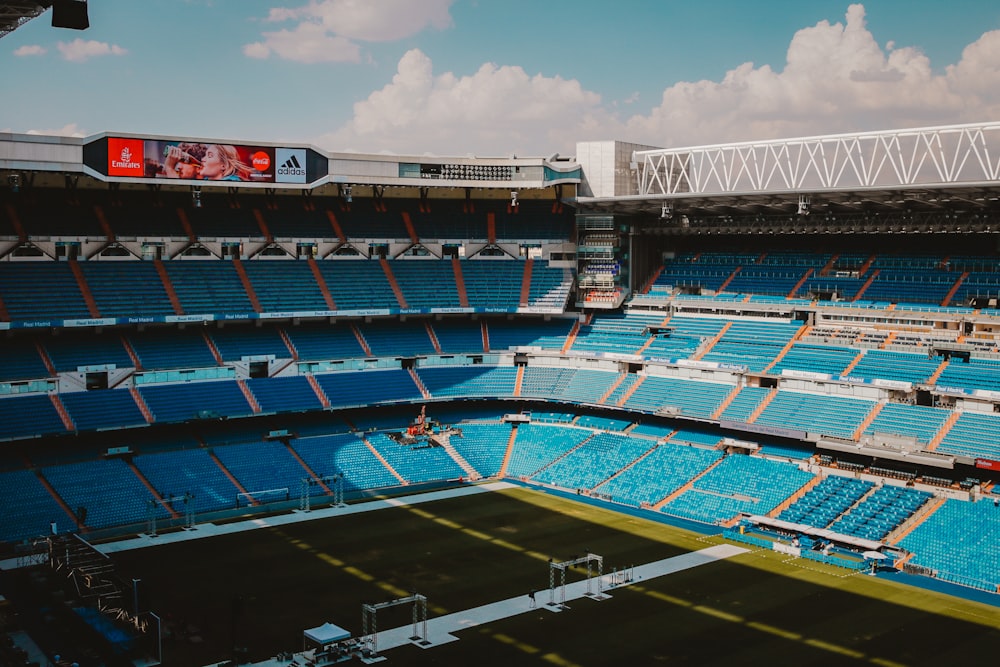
x,y
291,167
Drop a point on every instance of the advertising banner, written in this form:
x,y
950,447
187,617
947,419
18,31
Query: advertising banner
x,y
988,464
194,161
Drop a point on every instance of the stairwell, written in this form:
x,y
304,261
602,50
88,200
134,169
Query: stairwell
x,y
652,280
305,466
392,283
235,482
289,344
61,410
335,224
613,387
725,283
433,336
321,283
420,385
470,472
518,381
943,431
798,285
262,225
711,343
631,390
168,286
463,296
507,453
247,394
526,283
212,348
687,486
491,228
854,362
937,372
81,281
46,359
954,289
15,221
571,337
486,336
247,285
759,410
628,465
730,397
914,521
186,225
866,285
318,390
410,229
141,404
867,421
794,498
102,220
361,340
384,462
59,501
152,490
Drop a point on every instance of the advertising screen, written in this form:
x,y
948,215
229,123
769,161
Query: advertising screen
x,y
192,161
204,161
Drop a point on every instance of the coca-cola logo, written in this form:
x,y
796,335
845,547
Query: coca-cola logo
x,y
261,161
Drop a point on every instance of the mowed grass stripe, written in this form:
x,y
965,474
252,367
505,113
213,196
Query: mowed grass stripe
x,y
470,551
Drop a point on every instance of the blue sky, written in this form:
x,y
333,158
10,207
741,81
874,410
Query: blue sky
x,y
495,77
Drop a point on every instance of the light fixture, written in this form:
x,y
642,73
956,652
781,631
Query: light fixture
x,y
196,196
804,203
14,181
667,212
513,197
347,194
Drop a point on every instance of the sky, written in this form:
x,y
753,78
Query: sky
x,y
502,77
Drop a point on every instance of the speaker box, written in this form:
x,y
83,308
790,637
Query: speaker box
x,y
70,14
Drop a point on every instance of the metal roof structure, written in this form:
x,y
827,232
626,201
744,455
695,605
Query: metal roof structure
x,y
15,13
912,170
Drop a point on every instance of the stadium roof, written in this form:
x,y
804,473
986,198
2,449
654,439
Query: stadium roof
x,y
913,170
15,13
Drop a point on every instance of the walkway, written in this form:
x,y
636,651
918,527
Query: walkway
x,y
440,629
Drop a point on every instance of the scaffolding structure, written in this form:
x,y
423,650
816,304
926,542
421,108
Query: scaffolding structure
x,y
369,622
589,559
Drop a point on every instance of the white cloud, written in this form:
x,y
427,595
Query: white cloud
x,y
836,78
68,130
30,50
497,110
307,43
330,30
80,50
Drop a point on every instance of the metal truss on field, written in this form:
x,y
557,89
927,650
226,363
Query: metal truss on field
x,y
955,155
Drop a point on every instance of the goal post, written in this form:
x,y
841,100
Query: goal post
x,y
250,498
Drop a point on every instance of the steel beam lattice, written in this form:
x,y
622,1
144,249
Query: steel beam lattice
x,y
933,156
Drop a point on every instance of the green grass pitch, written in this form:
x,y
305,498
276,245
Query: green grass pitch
x,y
757,608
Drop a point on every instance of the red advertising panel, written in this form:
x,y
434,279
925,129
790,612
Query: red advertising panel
x,y
198,161
988,464
126,157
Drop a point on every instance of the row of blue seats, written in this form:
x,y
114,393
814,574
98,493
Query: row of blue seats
x,y
46,290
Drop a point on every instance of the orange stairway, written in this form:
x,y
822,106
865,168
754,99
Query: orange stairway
x,y
526,282
508,451
392,283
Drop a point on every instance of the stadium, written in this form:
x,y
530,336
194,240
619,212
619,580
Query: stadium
x,y
263,403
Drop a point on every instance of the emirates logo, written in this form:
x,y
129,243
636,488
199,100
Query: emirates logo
x,y
126,155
